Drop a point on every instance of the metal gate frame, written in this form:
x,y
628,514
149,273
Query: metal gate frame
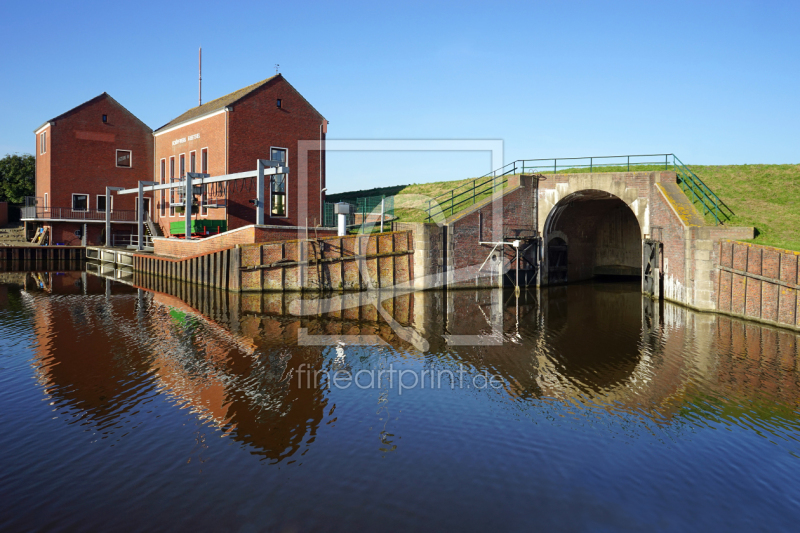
x,y
651,268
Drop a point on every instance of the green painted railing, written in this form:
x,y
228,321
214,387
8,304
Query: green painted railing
x,y
699,193
470,192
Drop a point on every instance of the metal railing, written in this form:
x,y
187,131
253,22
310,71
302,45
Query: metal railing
x,y
698,192
38,212
467,194
470,192
122,241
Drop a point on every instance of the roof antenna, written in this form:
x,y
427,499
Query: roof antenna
x,y
276,68
200,73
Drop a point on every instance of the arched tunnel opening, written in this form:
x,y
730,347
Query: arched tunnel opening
x,y
592,234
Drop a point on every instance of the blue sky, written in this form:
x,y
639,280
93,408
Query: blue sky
x,y
713,82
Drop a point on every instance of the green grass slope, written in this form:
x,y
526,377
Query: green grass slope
x,y
764,196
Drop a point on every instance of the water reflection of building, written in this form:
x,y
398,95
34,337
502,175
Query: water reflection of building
x,y
231,358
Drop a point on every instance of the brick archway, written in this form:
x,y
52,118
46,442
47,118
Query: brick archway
x,y
601,233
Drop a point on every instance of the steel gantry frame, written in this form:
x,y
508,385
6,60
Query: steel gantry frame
x,y
264,167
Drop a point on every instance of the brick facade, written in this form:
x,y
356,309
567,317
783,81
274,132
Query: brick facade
x,y
81,158
81,154
235,137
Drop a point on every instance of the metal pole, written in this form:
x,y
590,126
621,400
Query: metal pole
x,y
629,163
139,217
260,194
383,200
187,206
108,216
321,206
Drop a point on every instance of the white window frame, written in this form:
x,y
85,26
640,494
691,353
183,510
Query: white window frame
x,y
88,197
285,185
42,142
45,200
148,203
204,195
162,167
116,160
171,171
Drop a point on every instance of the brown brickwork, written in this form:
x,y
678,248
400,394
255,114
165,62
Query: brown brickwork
x,y
81,158
764,282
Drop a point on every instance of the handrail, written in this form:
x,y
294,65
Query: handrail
x,y
688,180
711,202
67,213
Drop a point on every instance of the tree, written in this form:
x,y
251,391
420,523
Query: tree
x,y
17,178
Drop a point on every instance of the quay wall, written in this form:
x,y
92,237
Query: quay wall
x,y
758,282
349,263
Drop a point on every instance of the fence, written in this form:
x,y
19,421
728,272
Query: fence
x,y
123,241
38,212
469,193
363,210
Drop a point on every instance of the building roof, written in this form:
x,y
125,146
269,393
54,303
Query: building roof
x,y
89,102
224,101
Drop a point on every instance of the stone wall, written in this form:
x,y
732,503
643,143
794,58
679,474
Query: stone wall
x,y
758,282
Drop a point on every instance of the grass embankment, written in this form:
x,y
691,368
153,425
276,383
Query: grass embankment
x,y
764,196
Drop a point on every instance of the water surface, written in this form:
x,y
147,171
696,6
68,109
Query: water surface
x,y
159,406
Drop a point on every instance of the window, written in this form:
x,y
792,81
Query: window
x,y
101,202
124,158
278,103
45,200
278,190
204,170
192,162
80,202
278,185
278,154
172,190
105,119
42,142
163,207
183,167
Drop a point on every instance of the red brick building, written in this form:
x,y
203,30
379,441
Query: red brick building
x,y
227,135
100,143
79,153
